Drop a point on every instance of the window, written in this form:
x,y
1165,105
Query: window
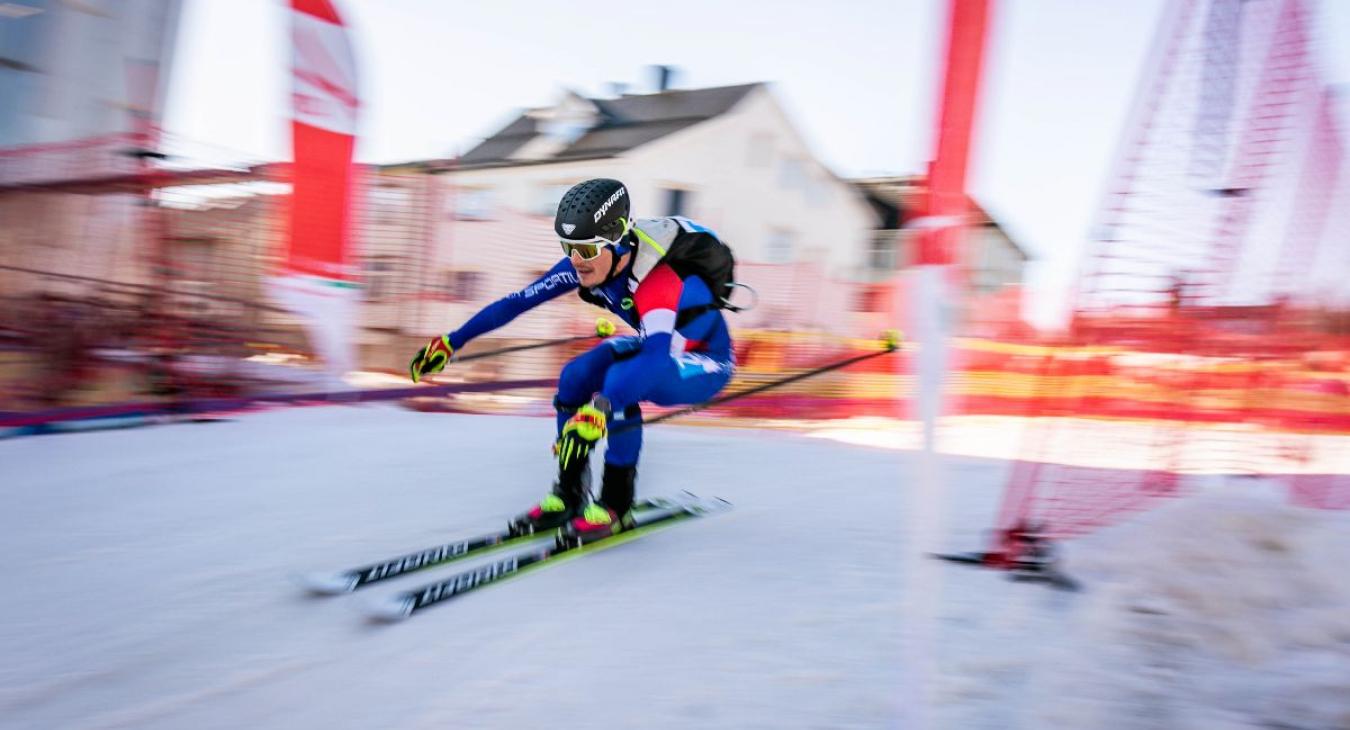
x,y
461,286
816,191
194,257
676,201
566,130
569,120
759,150
545,198
389,196
379,279
388,204
881,251
473,204
791,173
778,249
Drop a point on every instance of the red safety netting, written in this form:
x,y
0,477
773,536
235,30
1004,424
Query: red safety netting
x,y
1209,340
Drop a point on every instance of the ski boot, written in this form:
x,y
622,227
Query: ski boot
x,y
560,506
609,515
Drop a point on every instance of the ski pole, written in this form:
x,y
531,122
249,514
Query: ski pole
x,y
519,348
603,328
891,342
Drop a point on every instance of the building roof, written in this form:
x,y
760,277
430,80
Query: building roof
x,y
621,124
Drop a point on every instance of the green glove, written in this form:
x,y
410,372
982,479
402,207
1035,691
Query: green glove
x,y
432,358
580,434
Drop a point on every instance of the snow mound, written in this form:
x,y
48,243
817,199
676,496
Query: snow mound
x,y
1208,613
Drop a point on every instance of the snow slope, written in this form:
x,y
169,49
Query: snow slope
x,y
148,587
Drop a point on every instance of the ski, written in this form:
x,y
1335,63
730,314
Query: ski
x,y
1025,571
404,604
352,579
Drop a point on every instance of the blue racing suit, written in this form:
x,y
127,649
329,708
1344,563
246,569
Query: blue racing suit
x,y
669,362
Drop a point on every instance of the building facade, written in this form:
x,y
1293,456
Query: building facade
x,y
727,157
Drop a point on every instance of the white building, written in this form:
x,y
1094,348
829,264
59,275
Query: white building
x,y
991,259
727,157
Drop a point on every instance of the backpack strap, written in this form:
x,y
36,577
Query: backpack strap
x,y
589,298
655,236
687,315
651,248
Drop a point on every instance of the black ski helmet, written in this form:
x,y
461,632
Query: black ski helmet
x,y
593,209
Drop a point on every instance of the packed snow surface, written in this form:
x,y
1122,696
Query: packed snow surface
x,y
149,585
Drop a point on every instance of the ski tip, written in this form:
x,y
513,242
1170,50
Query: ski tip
x,y
390,609
963,558
328,584
1052,578
708,505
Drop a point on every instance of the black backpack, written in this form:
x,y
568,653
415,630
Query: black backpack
x,y
702,254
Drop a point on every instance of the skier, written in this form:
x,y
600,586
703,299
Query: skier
x,y
665,277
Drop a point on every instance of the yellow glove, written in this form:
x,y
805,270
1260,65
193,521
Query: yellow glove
x,y
432,358
580,434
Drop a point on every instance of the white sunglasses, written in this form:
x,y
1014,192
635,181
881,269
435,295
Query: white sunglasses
x,y
591,248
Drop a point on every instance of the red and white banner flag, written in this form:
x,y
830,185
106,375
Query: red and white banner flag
x,y
318,279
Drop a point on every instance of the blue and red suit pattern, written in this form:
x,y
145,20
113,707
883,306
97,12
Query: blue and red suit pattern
x,y
667,363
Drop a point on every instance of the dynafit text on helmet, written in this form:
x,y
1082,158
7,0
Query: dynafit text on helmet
x,y
669,279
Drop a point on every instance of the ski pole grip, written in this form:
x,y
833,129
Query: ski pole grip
x,y
892,339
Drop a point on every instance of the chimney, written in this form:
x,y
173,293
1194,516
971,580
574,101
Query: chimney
x,y
662,76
